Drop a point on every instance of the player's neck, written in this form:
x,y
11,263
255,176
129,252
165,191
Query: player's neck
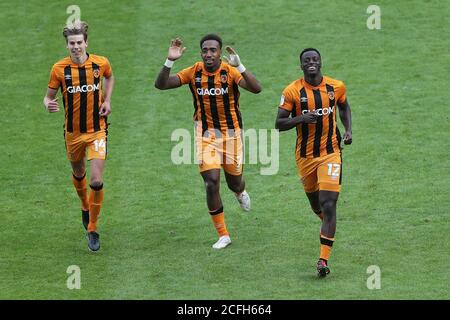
x,y
212,69
79,60
314,80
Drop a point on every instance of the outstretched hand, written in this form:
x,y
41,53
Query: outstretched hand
x,y
233,58
176,49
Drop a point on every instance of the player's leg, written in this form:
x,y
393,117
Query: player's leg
x,y
236,183
232,157
211,179
95,202
80,183
328,200
76,152
209,147
311,187
96,194
97,157
313,198
329,188
309,174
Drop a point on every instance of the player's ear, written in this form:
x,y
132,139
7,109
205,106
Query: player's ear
x,y
86,43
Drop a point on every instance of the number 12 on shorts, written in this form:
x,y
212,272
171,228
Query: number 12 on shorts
x,y
334,169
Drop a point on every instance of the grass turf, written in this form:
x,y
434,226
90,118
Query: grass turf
x,y
155,231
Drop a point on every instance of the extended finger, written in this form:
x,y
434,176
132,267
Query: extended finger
x,y
178,42
230,50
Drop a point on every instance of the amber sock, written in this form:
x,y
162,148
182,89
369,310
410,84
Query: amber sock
x,y
95,204
325,247
218,219
81,187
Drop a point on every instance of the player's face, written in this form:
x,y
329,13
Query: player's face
x,y
311,63
76,45
211,54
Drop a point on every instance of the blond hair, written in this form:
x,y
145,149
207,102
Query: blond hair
x,y
79,27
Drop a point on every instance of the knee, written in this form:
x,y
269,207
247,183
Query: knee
x,y
212,185
96,184
328,207
79,173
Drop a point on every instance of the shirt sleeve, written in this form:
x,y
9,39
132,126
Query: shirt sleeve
x,y
54,82
108,70
186,75
287,100
236,75
341,93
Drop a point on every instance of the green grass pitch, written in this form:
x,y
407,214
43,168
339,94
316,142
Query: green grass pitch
x,y
156,233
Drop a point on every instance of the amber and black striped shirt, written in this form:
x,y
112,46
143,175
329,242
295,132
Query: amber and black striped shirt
x,y
323,137
215,95
81,87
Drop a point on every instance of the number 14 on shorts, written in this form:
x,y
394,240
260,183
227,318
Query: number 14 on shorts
x,y
99,144
334,169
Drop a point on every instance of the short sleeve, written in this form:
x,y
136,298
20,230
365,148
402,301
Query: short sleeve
x,y
108,70
186,75
341,91
54,82
287,100
235,75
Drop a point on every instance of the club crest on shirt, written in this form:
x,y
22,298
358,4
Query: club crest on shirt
x,y
96,73
331,95
223,78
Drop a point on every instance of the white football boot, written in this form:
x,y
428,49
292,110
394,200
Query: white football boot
x,y
244,200
222,242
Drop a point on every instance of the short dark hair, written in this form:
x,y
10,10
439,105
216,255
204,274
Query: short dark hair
x,y
309,49
211,36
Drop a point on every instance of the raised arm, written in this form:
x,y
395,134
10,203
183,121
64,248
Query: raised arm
x,y
50,100
165,80
345,115
248,81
